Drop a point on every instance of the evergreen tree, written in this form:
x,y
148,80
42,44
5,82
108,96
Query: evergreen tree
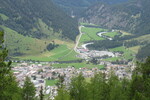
x,y
9,89
140,85
62,94
125,89
94,61
114,88
98,89
78,88
29,90
60,82
41,94
138,88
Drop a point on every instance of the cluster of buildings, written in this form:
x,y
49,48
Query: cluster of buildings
x,y
86,54
122,71
39,74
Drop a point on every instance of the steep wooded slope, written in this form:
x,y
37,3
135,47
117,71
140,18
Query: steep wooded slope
x,y
132,16
30,25
77,6
28,17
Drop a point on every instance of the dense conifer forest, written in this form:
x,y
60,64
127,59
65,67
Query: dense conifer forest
x,y
26,16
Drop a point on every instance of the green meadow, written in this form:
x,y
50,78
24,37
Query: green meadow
x,y
51,82
127,53
61,53
90,34
78,65
35,49
16,42
118,49
111,34
135,49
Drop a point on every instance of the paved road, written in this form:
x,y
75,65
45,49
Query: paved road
x,y
84,45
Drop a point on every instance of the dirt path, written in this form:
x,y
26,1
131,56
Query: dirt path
x,y
78,40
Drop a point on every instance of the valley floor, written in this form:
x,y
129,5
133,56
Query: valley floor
x,y
70,59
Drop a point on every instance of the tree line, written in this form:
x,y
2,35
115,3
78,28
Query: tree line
x,y
105,44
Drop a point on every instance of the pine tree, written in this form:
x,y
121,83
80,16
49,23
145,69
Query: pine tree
x,y
97,88
78,90
41,94
60,82
29,90
114,88
140,84
9,89
62,94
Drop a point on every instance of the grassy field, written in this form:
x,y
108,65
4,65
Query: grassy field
x,y
127,53
78,65
126,56
112,59
118,49
135,49
90,34
35,49
18,43
51,82
124,33
70,56
111,34
143,38
61,53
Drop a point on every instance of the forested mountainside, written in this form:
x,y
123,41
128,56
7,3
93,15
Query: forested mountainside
x,y
77,6
132,16
27,17
144,52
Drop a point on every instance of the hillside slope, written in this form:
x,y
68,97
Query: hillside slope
x,y
132,16
77,6
30,25
28,17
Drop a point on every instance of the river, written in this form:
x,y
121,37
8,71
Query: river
x,y
99,53
101,35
